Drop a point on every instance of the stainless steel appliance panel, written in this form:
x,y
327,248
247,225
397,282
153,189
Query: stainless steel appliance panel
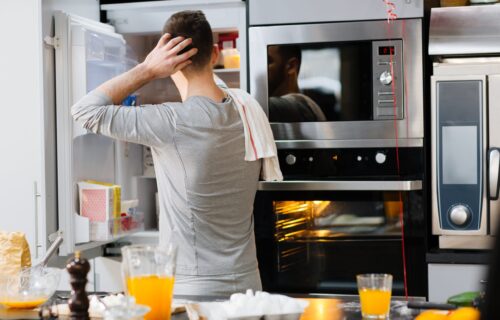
x,y
387,69
298,11
408,31
468,30
455,198
337,185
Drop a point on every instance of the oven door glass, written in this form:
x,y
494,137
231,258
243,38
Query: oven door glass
x,y
316,242
320,82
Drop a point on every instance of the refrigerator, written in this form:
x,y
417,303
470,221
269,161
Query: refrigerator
x,y
87,53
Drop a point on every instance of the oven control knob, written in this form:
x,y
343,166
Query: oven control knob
x,y
291,159
380,157
385,78
460,215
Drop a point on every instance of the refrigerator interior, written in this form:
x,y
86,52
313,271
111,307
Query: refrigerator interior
x,y
90,53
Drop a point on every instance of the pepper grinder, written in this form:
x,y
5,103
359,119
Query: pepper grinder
x,y
78,303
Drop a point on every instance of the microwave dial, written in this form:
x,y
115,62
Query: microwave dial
x,y
385,78
460,215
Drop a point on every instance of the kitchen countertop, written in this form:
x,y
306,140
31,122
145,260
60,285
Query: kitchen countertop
x,y
320,307
331,307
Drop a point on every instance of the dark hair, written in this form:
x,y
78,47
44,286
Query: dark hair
x,y
194,25
291,51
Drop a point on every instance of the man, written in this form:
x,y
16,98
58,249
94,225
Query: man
x,y
286,102
206,188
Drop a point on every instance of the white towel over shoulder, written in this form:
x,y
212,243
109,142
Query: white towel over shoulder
x,y
259,139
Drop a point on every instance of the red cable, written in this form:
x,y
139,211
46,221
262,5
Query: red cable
x,y
405,86
390,10
390,17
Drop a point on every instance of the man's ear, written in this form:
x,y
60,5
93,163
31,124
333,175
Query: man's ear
x,y
215,54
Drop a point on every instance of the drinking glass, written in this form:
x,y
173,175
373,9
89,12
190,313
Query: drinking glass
x,y
148,273
375,295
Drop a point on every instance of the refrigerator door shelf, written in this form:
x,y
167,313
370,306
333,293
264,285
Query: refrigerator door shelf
x,y
88,53
91,233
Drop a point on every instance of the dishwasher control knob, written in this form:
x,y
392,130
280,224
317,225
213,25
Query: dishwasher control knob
x,y
380,157
290,159
385,78
460,215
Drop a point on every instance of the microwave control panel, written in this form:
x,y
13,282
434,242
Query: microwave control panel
x,y
388,79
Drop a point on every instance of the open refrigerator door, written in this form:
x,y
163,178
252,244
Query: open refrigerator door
x,y
87,54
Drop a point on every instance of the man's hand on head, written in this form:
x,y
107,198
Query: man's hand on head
x,y
165,60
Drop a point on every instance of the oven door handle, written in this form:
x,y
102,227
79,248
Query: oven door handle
x,y
308,185
493,172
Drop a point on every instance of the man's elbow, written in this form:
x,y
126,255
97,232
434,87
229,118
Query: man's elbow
x,y
82,117
74,112
77,115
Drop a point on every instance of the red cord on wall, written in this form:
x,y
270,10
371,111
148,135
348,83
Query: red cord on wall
x,y
391,16
391,7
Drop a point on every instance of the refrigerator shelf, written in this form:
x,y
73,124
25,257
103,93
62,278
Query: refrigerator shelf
x,y
102,233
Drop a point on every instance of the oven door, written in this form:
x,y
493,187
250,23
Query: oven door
x,y
335,80
315,237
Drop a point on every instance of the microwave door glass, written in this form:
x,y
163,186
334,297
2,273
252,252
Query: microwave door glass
x,y
320,82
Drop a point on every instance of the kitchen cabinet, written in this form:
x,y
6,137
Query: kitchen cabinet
x,y
446,280
28,166
107,274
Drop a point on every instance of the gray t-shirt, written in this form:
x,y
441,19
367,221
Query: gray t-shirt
x,y
206,188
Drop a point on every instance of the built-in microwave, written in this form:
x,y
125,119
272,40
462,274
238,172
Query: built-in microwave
x,y
354,84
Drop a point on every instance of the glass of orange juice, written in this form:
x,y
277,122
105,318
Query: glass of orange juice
x,y
149,272
375,295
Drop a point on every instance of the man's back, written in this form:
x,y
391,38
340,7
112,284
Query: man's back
x,y
207,189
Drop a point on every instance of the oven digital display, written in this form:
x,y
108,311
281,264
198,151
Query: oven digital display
x,y
386,50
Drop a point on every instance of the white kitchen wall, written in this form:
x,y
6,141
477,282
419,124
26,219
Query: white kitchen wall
x,y
27,133
21,91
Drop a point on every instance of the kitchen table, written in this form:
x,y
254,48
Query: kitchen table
x,y
320,307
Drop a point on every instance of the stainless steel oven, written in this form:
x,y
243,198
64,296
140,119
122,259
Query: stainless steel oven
x,y
343,91
337,214
340,81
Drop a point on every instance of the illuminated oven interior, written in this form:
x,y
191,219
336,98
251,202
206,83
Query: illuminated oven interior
x,y
325,220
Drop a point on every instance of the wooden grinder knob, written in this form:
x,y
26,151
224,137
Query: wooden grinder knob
x,y
78,268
